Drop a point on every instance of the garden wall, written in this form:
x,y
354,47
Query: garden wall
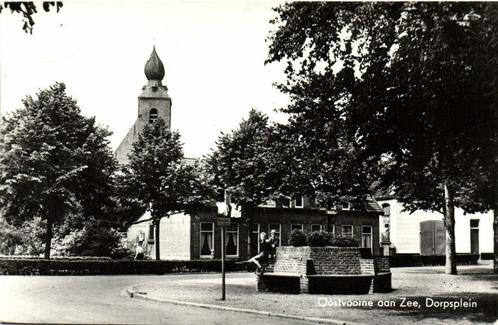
x,y
329,270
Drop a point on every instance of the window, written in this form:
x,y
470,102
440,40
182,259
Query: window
x,y
366,236
276,227
474,236
296,226
343,206
299,201
232,240
151,234
152,115
316,227
332,229
347,231
207,238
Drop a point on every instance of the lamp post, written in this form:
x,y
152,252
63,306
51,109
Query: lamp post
x,y
223,220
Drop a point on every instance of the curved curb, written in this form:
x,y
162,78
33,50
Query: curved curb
x,y
134,293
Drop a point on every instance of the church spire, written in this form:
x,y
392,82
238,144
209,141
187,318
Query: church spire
x,y
154,68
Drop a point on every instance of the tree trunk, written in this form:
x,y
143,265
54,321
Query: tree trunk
x,y
245,215
48,238
449,225
495,227
156,229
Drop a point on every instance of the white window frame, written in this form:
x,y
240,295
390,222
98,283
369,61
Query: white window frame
x,y
279,232
302,202
300,226
200,239
365,233
320,227
238,240
352,230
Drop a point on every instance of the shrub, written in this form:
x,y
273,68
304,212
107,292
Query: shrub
x,y
297,238
319,239
22,266
340,241
93,239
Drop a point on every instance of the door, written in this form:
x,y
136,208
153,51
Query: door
x,y
474,236
432,238
254,248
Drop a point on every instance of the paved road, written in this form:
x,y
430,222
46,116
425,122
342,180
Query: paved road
x,y
103,300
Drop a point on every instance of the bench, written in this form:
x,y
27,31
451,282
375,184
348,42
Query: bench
x,y
284,282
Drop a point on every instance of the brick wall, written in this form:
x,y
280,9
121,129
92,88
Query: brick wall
x,y
382,265
336,260
292,259
324,260
367,266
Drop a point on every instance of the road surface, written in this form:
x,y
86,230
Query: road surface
x,y
103,300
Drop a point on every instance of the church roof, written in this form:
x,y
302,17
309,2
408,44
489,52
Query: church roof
x,y
154,68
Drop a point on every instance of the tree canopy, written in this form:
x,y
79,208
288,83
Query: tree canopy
x,y
27,9
159,179
53,160
244,163
409,82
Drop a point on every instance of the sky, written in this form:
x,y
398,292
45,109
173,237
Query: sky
x,y
213,53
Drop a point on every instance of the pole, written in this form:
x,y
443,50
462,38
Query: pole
x,y
223,263
223,248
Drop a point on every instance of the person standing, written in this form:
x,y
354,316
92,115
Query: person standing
x,y
139,252
273,241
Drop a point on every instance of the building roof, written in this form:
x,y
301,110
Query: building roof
x,y
371,205
154,68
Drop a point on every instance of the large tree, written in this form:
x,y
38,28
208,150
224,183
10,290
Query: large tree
x,y
407,81
53,160
159,179
244,164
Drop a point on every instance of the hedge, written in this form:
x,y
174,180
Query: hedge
x,y
30,266
405,260
298,238
32,257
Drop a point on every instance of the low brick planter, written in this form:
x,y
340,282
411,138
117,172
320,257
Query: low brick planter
x,y
333,270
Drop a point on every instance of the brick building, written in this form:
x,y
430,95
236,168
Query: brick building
x,y
195,236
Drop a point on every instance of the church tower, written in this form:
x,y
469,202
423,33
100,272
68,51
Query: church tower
x,y
153,102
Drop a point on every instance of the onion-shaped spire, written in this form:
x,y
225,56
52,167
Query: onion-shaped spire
x,y
154,68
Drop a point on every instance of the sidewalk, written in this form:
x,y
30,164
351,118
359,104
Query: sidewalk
x,y
423,294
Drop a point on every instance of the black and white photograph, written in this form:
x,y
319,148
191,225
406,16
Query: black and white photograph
x,y
248,162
